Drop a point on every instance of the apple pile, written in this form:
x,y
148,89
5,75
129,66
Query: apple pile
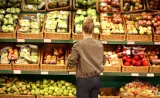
x,y
109,6
154,4
112,59
131,28
156,24
57,57
111,25
138,89
132,56
132,5
154,57
81,15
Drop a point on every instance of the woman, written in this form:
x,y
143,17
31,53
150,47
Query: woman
x,y
88,57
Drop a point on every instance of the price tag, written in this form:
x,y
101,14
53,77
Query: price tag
x,y
128,52
44,72
131,43
101,74
135,74
104,42
47,40
72,73
17,71
150,75
157,43
21,40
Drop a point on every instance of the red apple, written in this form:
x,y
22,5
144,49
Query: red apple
x,y
141,56
136,57
127,64
128,60
138,63
118,50
124,58
153,53
144,59
145,63
120,55
133,62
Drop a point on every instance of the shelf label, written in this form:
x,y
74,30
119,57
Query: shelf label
x,y
21,40
104,42
44,72
135,74
150,75
101,74
131,43
47,40
156,43
72,73
17,71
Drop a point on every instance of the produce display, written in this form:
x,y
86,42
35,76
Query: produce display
x,y
112,59
138,89
57,22
31,23
154,4
8,54
10,6
85,4
133,5
45,87
28,54
156,24
57,57
154,57
8,23
34,5
111,25
57,3
109,92
81,15
109,6
133,56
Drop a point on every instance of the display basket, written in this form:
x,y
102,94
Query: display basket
x,y
9,35
131,37
148,8
52,67
111,92
56,97
60,8
77,36
59,36
25,10
16,96
134,11
28,35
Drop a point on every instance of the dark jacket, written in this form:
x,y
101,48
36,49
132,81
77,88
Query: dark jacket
x,y
88,55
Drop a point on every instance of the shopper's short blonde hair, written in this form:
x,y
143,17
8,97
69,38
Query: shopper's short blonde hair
x,y
88,25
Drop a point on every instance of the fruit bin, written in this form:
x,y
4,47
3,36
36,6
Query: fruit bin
x,y
17,96
76,36
68,55
52,51
19,65
109,93
59,36
138,37
31,7
55,97
133,11
156,26
27,34
59,8
108,33
112,67
148,6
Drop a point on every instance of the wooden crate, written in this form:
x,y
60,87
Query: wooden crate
x,y
111,92
142,69
113,37
52,67
55,97
148,8
30,35
24,10
10,35
16,96
154,69
60,8
135,11
60,36
76,36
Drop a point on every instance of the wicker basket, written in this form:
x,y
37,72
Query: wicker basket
x,y
148,8
114,68
29,35
131,37
8,35
55,97
28,67
154,69
76,36
156,37
59,36
17,96
109,91
6,96
24,10
60,8
135,69
52,67
135,11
